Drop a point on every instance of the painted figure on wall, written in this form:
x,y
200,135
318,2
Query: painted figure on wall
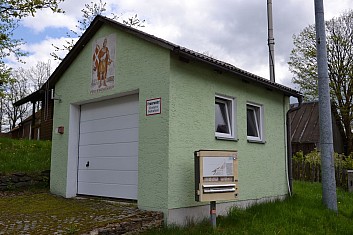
x,y
104,60
103,64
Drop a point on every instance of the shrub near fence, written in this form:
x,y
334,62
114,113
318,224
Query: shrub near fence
x,y
308,167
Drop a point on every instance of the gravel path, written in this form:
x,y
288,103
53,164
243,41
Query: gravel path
x,y
43,213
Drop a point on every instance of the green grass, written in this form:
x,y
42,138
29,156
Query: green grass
x,y
303,213
27,156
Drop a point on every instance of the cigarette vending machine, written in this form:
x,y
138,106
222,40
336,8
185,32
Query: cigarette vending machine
x,y
216,175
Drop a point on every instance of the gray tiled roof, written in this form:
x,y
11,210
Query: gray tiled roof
x,y
100,20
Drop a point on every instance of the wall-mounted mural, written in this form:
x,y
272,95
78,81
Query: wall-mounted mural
x,y
103,63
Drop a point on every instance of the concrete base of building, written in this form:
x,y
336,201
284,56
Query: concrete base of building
x,y
188,215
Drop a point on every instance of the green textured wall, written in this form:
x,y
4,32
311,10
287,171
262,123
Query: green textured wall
x,y
141,66
261,166
186,124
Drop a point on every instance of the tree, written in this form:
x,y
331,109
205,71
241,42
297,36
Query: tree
x,y
303,65
8,46
16,89
23,8
88,14
22,82
37,75
10,13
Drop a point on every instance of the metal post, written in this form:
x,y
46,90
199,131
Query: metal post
x,y
329,196
271,41
33,122
213,214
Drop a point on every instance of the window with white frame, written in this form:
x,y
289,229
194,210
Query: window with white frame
x,y
254,114
224,117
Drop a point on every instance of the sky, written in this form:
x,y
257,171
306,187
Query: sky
x,y
233,31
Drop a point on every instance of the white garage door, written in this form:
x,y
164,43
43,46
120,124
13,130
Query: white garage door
x,y
108,148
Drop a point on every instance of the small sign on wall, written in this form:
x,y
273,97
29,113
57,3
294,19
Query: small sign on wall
x,y
153,106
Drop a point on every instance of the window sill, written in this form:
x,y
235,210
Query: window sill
x,y
257,141
226,138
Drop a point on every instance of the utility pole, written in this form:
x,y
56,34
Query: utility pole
x,y
270,41
329,196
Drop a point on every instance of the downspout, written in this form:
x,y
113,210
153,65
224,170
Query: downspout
x,y
289,145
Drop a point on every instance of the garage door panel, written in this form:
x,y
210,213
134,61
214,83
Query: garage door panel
x,y
109,108
109,163
108,190
108,177
109,150
111,137
116,123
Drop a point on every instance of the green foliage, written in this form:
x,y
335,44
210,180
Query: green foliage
x,y
23,8
298,156
27,156
8,45
11,12
349,161
314,158
301,214
303,63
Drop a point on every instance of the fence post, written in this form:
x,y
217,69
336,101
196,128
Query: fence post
x,y
350,180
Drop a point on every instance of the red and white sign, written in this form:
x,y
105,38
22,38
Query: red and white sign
x,y
153,106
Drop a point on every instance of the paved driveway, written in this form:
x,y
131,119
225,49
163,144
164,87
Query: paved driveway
x,y
44,213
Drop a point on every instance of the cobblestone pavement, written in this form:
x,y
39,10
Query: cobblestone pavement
x,y
43,213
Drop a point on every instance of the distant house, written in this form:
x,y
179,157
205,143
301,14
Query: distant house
x,y
41,127
305,129
26,129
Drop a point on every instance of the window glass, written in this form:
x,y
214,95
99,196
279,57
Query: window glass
x,y
254,122
224,117
221,122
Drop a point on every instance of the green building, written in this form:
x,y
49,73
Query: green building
x,y
131,109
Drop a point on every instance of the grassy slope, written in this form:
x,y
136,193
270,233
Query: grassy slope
x,y
24,156
301,214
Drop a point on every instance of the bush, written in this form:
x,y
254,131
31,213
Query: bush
x,y
314,159
308,167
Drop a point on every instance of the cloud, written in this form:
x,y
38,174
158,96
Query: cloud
x,y
232,31
38,52
45,19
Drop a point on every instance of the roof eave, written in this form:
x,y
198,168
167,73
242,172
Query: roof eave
x,y
100,20
243,74
33,97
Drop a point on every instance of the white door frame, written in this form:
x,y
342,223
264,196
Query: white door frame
x,y
72,158
73,141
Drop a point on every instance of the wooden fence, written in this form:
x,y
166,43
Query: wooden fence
x,y
312,172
